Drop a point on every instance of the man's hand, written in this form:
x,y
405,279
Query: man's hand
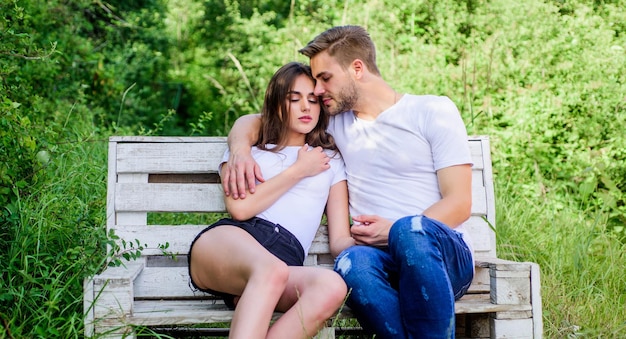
x,y
240,172
370,230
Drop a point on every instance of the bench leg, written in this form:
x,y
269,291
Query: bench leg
x,y
112,305
109,299
95,328
536,301
512,325
515,284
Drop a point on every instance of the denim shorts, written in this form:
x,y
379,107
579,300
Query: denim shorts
x,y
273,237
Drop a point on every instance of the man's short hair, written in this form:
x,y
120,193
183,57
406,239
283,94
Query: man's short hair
x,y
345,43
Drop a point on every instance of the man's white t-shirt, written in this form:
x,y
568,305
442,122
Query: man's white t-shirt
x,y
392,161
300,209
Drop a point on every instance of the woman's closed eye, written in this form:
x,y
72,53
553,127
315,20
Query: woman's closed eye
x,y
297,97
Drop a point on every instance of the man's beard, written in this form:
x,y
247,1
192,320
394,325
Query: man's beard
x,y
346,100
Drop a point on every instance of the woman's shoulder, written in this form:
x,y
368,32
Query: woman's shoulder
x,y
335,157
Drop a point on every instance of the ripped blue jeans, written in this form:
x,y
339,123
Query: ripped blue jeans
x,y
408,289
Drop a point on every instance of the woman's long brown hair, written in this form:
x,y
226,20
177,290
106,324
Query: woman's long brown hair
x,y
275,113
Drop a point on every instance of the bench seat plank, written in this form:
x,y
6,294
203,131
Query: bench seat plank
x,y
189,312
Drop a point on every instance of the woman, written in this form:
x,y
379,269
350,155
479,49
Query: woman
x,y
255,259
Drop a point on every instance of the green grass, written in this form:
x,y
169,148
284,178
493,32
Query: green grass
x,y
582,264
56,244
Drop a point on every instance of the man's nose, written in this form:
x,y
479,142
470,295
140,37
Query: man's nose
x,y
319,89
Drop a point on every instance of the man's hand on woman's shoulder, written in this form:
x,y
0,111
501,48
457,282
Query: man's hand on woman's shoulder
x,y
240,172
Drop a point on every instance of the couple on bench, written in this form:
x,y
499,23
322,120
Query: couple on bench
x,y
327,132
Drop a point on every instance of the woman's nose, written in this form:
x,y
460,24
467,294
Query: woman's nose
x,y
305,106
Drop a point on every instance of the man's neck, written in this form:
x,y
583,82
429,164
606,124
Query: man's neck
x,y
375,97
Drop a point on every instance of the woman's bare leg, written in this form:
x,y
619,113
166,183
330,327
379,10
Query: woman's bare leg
x,y
229,259
312,295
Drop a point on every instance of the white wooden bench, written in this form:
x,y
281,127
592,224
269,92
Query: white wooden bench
x,y
178,174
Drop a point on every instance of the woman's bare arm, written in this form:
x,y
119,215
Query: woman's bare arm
x,y
338,218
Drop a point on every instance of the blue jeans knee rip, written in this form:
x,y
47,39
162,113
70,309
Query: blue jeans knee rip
x,y
416,224
343,265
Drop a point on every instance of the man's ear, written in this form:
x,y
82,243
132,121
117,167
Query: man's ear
x,y
358,67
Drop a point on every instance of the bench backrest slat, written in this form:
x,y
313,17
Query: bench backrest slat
x,y
131,197
157,157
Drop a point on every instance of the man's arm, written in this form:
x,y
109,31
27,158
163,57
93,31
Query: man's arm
x,y
455,206
241,169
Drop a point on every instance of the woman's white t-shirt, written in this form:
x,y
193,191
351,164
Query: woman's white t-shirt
x,y
300,209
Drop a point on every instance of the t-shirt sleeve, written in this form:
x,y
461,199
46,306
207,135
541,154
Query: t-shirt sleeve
x,y
337,166
224,160
447,135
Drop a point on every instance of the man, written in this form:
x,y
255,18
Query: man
x,y
409,176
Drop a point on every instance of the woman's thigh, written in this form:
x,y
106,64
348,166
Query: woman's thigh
x,y
223,259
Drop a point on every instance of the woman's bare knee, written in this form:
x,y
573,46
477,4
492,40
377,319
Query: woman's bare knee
x,y
327,292
334,291
272,274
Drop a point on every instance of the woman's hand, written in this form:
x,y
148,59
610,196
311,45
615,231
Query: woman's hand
x,y
312,161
